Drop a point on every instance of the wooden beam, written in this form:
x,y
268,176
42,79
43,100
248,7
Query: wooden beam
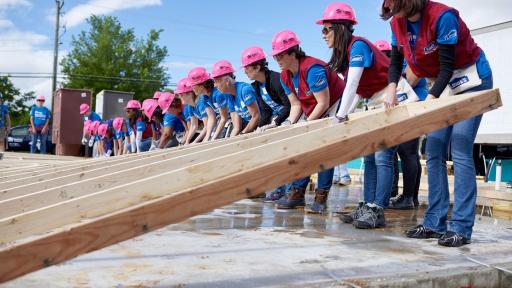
x,y
82,184
292,158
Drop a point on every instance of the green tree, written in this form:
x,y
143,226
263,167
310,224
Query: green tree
x,y
17,101
108,57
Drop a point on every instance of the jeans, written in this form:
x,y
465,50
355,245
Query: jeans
x,y
145,144
341,172
378,176
462,136
324,180
43,137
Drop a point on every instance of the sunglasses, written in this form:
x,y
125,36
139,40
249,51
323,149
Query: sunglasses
x,y
326,30
280,56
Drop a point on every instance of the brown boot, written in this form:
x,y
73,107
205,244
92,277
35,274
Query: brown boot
x,y
320,204
294,199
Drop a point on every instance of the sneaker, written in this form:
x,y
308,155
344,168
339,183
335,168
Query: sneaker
x,y
320,204
373,217
402,203
396,199
274,196
355,214
422,232
294,199
452,239
335,179
345,181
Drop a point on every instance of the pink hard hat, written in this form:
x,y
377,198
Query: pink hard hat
x,y
157,95
118,124
283,41
133,104
383,45
165,100
338,11
93,128
251,55
221,68
198,75
183,86
102,130
86,125
40,98
84,108
149,106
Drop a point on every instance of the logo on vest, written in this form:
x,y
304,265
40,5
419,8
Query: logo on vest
x,y
458,82
357,58
451,35
320,82
402,97
431,47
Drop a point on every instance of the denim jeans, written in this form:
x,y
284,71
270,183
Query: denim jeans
x,y
43,137
378,176
324,180
145,145
460,137
341,172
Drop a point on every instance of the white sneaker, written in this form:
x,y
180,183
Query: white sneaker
x,y
345,181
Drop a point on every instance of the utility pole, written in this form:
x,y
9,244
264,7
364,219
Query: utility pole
x,y
59,4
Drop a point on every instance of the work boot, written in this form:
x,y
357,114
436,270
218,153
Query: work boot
x,y
452,239
403,203
422,232
396,199
320,204
355,214
294,199
373,217
275,195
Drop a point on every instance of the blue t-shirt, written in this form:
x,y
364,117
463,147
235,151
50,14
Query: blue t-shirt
x,y
219,100
361,55
140,126
316,80
93,117
447,28
4,111
190,111
40,115
276,108
245,96
170,120
121,134
202,104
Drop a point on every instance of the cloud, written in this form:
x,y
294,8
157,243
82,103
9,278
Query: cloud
x,y
6,4
5,24
477,14
81,12
182,65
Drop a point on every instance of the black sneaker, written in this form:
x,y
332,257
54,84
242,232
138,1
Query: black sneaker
x,y
422,232
452,239
373,217
355,214
402,203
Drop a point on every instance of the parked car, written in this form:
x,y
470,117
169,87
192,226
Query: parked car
x,y
19,139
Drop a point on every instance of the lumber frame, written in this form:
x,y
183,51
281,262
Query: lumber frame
x,y
304,154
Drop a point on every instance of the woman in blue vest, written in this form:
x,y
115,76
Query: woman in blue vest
x,y
173,124
188,97
436,42
5,122
39,124
314,91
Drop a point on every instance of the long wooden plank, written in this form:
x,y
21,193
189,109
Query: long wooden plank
x,y
137,170
116,198
306,154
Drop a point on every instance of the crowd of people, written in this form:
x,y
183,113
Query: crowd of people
x,y
429,43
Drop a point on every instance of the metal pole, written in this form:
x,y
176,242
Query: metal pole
x,y
59,5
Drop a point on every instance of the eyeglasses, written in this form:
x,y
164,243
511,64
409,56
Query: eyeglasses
x,y
326,30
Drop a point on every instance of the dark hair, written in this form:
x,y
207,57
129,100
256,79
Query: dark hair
x,y
409,7
158,114
138,114
262,63
208,85
299,53
176,103
388,53
343,31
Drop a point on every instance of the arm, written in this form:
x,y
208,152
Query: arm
x,y
212,120
235,119
116,147
8,122
202,134
395,71
166,136
447,65
191,130
285,112
32,126
350,92
322,99
255,117
295,108
411,77
222,122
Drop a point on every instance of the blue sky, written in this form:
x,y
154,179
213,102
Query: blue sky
x,y
195,32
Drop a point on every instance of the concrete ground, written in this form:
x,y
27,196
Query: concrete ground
x,y
251,244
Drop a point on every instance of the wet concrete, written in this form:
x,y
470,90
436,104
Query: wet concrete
x,y
252,244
